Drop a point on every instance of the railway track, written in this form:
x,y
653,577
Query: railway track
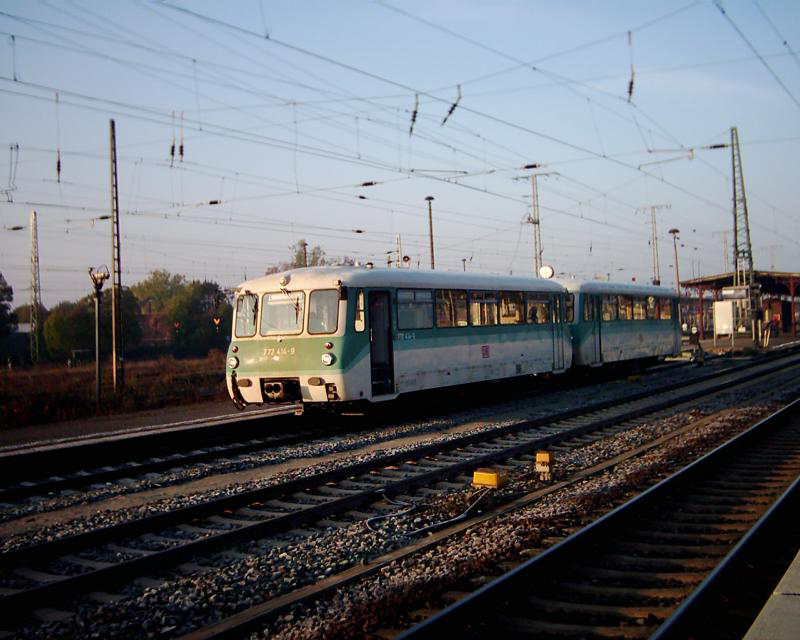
x,y
73,466
54,572
694,535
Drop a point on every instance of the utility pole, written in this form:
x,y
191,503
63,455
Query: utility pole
x,y
772,248
534,219
36,290
117,337
399,252
654,239
724,235
430,228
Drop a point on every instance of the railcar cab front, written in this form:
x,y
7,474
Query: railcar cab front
x,y
288,341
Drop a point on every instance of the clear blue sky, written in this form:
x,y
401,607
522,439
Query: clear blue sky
x,y
286,108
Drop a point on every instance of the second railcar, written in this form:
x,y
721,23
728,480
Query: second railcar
x,y
618,322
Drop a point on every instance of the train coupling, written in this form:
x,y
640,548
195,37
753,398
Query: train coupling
x,y
281,390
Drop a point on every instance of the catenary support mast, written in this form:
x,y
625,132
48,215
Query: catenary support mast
x,y
117,337
36,290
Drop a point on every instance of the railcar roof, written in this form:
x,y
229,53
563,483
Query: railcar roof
x,y
619,288
329,277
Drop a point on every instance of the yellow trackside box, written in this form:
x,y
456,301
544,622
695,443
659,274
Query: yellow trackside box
x,y
488,478
545,461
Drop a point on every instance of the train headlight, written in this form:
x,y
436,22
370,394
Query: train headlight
x,y
233,362
327,359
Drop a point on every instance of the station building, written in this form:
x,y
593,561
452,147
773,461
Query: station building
x,y
779,299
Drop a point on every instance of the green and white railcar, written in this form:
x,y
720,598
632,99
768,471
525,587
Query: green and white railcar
x,y
343,334
616,322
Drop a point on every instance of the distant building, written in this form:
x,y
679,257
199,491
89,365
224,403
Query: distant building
x,y
156,330
15,347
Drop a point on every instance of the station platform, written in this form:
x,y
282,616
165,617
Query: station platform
x,y
780,617
742,343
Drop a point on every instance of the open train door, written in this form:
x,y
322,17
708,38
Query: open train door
x,y
380,343
557,303
594,315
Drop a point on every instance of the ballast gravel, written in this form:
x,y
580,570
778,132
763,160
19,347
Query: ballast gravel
x,y
550,403
334,447
268,568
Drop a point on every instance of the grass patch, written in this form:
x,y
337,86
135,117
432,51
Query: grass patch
x,y
51,393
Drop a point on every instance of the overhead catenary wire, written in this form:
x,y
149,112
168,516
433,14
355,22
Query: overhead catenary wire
x,y
573,197
740,33
783,40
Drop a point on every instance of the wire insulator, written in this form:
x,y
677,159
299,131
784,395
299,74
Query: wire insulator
x,y
414,114
453,107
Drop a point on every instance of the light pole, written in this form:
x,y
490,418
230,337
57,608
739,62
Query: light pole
x,y
674,232
430,227
98,276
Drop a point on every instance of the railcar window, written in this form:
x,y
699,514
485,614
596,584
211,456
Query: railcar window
x,y
414,309
625,308
512,307
609,308
639,309
665,307
570,307
483,307
282,312
587,308
538,310
652,308
359,322
246,312
451,308
323,311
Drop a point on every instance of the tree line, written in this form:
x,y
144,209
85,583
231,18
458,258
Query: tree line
x,y
195,315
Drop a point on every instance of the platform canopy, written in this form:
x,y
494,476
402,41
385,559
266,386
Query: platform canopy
x,y
776,283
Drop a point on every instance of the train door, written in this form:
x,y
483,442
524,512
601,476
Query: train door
x,y
593,315
380,343
558,332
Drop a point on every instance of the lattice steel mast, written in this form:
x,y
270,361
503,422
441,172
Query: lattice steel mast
x,y
742,249
117,337
36,290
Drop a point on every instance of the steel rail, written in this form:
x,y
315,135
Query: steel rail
x,y
24,600
162,447
467,616
69,544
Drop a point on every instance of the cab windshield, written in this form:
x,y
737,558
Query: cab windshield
x,y
323,311
246,312
282,312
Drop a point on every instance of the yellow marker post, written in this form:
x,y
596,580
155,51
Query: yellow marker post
x,y
545,461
